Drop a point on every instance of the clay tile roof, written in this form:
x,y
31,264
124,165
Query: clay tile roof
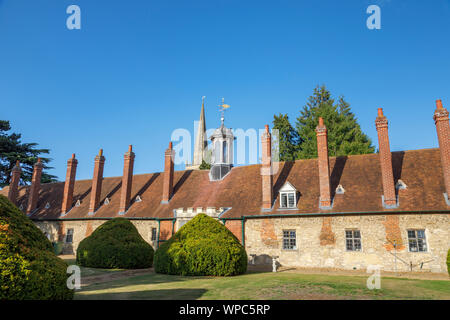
x,y
360,175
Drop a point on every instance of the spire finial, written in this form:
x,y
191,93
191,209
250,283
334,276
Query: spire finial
x,y
222,108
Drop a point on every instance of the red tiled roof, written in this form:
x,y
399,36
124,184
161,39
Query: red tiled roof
x,y
360,176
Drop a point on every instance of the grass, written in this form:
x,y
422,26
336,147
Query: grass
x,y
88,272
265,285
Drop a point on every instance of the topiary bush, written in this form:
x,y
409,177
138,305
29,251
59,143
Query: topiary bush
x,y
202,247
28,267
448,262
116,244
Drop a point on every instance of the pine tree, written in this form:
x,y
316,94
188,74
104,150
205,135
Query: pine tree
x,y
287,137
12,149
345,136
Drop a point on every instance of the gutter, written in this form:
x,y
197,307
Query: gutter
x,y
101,218
317,214
242,218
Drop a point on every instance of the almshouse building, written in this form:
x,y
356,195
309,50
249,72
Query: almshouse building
x,y
390,208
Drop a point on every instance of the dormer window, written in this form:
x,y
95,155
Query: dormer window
x,y
288,196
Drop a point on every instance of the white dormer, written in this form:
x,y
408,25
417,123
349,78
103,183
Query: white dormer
x,y
288,196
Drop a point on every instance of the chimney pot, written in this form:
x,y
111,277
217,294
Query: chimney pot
x,y
35,187
380,112
387,174
97,182
127,181
324,166
321,122
266,170
14,183
168,174
441,119
69,185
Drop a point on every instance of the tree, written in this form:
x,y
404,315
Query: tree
x,y
345,136
288,139
205,165
12,149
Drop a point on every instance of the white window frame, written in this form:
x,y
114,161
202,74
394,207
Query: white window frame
x,y
289,238
286,190
353,240
416,238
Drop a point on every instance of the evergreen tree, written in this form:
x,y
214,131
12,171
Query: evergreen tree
x,y
12,149
288,139
345,136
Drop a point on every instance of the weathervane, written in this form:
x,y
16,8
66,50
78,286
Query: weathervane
x,y
222,108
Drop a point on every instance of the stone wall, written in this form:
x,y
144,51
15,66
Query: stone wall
x,y
83,228
321,241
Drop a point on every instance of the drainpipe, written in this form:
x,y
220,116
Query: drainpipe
x,y
173,225
243,231
159,230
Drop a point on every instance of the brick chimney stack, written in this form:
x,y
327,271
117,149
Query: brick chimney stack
x,y
127,180
35,187
168,174
441,119
14,184
97,182
385,161
324,165
69,185
266,170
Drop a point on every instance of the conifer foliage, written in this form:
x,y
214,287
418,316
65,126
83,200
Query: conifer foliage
x,y
29,269
345,136
202,247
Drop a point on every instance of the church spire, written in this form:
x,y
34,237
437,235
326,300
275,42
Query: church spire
x,y
200,140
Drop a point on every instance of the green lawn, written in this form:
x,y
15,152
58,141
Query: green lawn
x,y
264,285
88,272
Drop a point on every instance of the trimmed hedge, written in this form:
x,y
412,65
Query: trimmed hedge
x,y
202,247
448,262
28,267
116,244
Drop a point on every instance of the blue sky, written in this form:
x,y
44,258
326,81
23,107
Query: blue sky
x,y
137,70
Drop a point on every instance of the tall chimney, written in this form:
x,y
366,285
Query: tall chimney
x,y
441,119
168,174
14,184
35,186
266,170
69,185
127,180
324,165
97,182
387,174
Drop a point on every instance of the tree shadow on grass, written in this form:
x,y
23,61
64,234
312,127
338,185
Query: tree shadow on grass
x,y
162,294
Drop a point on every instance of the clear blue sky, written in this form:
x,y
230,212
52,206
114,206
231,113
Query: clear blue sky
x,y
137,70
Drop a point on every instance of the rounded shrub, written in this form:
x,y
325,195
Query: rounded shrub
x,y
28,267
116,244
202,247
